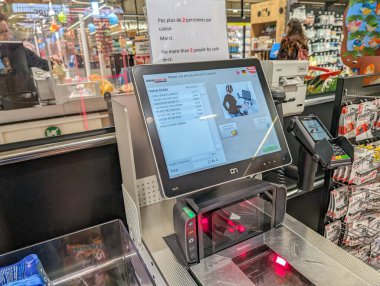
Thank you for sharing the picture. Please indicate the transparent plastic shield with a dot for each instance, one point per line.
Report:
(228, 225)
(101, 255)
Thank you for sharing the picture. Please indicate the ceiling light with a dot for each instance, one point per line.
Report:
(86, 3)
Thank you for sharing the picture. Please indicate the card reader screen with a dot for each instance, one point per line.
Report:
(315, 129)
(210, 118)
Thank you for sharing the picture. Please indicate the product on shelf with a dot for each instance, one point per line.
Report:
(324, 31)
(103, 35)
(28, 271)
(235, 33)
(89, 252)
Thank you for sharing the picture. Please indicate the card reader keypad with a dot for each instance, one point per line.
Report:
(339, 154)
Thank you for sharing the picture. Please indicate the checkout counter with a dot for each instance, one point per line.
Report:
(243, 236)
(195, 209)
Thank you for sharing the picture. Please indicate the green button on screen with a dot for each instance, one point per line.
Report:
(270, 148)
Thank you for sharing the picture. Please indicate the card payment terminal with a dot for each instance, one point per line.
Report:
(318, 147)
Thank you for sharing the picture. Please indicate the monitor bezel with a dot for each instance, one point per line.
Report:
(205, 179)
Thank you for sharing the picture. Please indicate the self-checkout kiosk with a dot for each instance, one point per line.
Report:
(190, 145)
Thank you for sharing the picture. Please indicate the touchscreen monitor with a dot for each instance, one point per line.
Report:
(209, 123)
(315, 129)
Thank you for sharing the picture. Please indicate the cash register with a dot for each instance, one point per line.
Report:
(191, 145)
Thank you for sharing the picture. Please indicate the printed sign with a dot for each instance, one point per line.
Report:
(181, 32)
(42, 9)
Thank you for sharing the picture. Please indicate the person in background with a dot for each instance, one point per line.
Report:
(294, 45)
(32, 59)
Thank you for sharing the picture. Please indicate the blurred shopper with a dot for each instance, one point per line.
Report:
(294, 45)
(32, 59)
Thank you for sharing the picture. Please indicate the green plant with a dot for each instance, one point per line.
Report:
(367, 51)
(364, 1)
(354, 18)
(372, 20)
(358, 34)
(374, 34)
(354, 54)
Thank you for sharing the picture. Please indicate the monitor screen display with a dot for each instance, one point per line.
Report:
(210, 118)
(209, 123)
(315, 129)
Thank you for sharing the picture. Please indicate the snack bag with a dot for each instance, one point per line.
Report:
(24, 272)
(356, 205)
(333, 230)
(364, 166)
(88, 253)
(347, 121)
(366, 118)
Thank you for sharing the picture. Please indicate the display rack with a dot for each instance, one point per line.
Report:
(324, 29)
(350, 209)
(236, 33)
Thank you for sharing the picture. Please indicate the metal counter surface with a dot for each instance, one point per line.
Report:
(322, 262)
(319, 99)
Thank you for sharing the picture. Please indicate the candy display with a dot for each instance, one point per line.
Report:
(103, 35)
(88, 252)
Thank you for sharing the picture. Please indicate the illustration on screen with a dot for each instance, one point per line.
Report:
(238, 99)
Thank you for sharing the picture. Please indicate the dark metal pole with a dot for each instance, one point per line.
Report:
(242, 9)
(244, 32)
(244, 28)
(137, 18)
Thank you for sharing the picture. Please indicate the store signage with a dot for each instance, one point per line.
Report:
(180, 31)
(41, 9)
(142, 48)
(52, 131)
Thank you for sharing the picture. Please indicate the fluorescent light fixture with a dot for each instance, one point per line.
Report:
(237, 10)
(51, 11)
(84, 18)
(95, 8)
(86, 3)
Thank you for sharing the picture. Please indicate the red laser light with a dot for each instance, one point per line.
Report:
(231, 223)
(231, 230)
(241, 228)
(280, 271)
(205, 224)
(280, 261)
